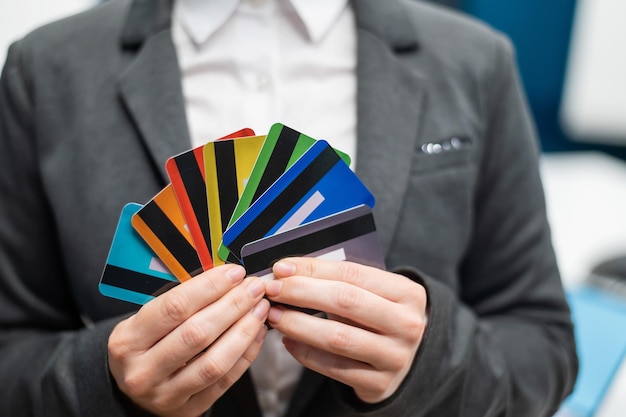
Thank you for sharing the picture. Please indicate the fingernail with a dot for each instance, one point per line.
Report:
(273, 287)
(261, 309)
(274, 315)
(236, 273)
(256, 287)
(284, 268)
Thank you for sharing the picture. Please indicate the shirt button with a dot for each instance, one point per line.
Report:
(263, 81)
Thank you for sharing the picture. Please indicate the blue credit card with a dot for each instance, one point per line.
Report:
(133, 272)
(283, 146)
(317, 185)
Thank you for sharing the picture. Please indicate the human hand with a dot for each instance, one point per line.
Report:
(375, 326)
(158, 359)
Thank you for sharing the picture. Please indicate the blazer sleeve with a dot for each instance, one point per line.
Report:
(50, 363)
(503, 344)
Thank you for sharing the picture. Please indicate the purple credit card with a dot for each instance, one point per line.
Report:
(349, 235)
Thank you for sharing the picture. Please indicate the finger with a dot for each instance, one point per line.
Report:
(237, 347)
(203, 400)
(202, 329)
(345, 370)
(338, 338)
(182, 400)
(354, 303)
(391, 286)
(166, 312)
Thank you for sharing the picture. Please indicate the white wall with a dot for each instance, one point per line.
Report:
(18, 17)
(594, 101)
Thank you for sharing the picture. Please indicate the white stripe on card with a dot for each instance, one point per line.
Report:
(303, 212)
(336, 255)
(267, 277)
(157, 265)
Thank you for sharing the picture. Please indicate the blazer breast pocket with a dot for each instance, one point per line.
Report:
(444, 154)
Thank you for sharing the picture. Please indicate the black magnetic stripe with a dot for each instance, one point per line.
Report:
(310, 243)
(287, 199)
(231, 258)
(277, 164)
(169, 235)
(196, 191)
(226, 168)
(136, 281)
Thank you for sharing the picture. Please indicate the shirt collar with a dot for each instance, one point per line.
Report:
(318, 16)
(202, 18)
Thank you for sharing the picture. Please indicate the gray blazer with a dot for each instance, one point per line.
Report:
(90, 109)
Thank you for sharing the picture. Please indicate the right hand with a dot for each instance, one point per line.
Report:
(158, 359)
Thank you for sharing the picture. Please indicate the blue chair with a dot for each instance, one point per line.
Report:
(540, 31)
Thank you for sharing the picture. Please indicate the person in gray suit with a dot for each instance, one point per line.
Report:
(469, 319)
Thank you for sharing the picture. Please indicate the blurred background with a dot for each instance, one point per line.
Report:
(573, 66)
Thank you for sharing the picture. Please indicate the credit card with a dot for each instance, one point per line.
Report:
(282, 147)
(186, 172)
(227, 167)
(162, 226)
(349, 235)
(317, 185)
(242, 133)
(133, 272)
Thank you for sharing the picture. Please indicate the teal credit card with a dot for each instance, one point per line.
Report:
(133, 272)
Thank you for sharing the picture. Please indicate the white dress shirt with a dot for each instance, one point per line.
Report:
(251, 63)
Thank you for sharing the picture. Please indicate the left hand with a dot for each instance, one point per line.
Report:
(375, 326)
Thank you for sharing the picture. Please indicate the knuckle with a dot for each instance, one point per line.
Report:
(211, 371)
(176, 307)
(349, 272)
(249, 356)
(415, 294)
(166, 403)
(119, 343)
(249, 332)
(379, 386)
(397, 361)
(160, 404)
(136, 385)
(194, 335)
(308, 268)
(347, 297)
(336, 368)
(340, 337)
(414, 327)
(239, 306)
(420, 293)
(117, 349)
(224, 383)
(212, 284)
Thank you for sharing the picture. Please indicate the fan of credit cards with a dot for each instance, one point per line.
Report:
(243, 199)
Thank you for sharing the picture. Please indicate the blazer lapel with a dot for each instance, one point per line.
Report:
(389, 103)
(151, 92)
(389, 106)
(151, 86)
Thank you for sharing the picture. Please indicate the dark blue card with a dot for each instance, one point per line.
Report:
(317, 185)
